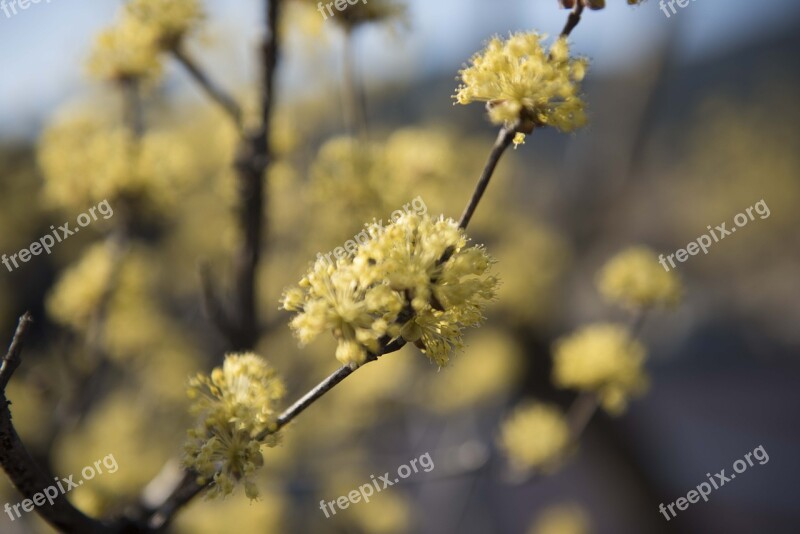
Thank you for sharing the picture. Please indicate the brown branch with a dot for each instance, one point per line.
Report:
(253, 158)
(573, 19)
(19, 465)
(133, 109)
(503, 141)
(212, 90)
(354, 97)
(186, 490)
(12, 358)
(215, 310)
(325, 386)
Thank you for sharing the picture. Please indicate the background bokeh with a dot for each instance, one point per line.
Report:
(692, 120)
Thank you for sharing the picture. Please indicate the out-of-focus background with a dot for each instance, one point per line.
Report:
(693, 119)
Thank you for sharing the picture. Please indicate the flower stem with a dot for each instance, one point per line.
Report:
(503, 141)
(573, 19)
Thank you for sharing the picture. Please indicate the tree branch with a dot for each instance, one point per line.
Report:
(212, 90)
(12, 358)
(19, 465)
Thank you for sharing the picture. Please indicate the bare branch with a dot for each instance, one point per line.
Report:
(214, 308)
(12, 358)
(573, 19)
(214, 91)
(503, 141)
(19, 465)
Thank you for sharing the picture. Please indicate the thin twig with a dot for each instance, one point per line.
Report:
(214, 91)
(573, 19)
(325, 386)
(215, 310)
(12, 358)
(503, 141)
(133, 109)
(188, 488)
(581, 412)
(355, 101)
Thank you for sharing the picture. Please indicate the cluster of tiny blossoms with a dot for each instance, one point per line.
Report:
(535, 436)
(604, 359)
(131, 49)
(635, 280)
(524, 85)
(234, 406)
(416, 279)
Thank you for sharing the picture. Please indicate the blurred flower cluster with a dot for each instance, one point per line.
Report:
(131, 50)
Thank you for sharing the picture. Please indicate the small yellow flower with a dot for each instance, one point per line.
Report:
(233, 405)
(604, 359)
(535, 436)
(634, 279)
(526, 86)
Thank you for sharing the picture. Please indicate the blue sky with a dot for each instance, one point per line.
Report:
(44, 47)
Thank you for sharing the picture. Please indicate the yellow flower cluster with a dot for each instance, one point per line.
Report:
(170, 20)
(125, 52)
(234, 405)
(604, 359)
(535, 436)
(526, 86)
(561, 519)
(131, 49)
(635, 280)
(80, 291)
(396, 285)
(86, 159)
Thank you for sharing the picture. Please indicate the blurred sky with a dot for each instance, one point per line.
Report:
(43, 44)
